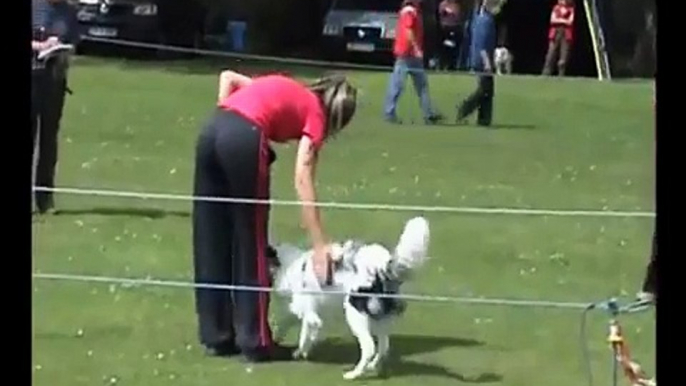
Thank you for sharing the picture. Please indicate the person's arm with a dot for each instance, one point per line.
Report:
(45, 44)
(305, 169)
(230, 81)
(487, 61)
(409, 21)
(485, 35)
(37, 46)
(569, 21)
(554, 20)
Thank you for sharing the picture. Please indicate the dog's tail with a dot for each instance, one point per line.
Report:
(412, 249)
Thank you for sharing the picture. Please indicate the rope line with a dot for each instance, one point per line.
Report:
(409, 297)
(284, 60)
(348, 205)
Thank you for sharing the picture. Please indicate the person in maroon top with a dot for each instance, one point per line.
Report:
(232, 161)
(560, 36)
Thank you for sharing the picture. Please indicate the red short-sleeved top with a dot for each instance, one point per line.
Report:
(408, 18)
(281, 107)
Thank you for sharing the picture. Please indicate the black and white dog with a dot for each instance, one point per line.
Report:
(362, 273)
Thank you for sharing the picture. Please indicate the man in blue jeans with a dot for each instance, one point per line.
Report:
(409, 54)
(481, 57)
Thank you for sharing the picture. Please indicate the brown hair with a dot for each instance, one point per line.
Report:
(339, 99)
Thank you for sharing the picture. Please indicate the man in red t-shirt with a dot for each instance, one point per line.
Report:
(409, 54)
(560, 36)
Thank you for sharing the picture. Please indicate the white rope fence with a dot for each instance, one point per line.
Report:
(134, 282)
(348, 205)
(284, 60)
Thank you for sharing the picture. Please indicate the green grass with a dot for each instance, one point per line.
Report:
(564, 144)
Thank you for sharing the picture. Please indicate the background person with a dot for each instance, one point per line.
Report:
(481, 55)
(53, 22)
(408, 49)
(560, 37)
(450, 22)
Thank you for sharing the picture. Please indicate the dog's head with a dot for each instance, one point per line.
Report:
(343, 255)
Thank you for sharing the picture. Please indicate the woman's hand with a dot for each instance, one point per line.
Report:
(322, 263)
(45, 44)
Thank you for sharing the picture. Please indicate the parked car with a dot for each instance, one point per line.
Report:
(177, 22)
(364, 28)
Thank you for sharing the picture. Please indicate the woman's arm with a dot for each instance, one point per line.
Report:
(570, 18)
(568, 21)
(305, 168)
(230, 81)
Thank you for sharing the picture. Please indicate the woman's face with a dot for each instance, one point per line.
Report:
(562, 2)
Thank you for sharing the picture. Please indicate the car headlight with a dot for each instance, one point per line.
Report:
(390, 33)
(145, 10)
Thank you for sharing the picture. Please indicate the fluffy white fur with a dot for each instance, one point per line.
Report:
(503, 61)
(358, 266)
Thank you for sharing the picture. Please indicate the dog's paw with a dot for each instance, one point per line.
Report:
(300, 354)
(352, 374)
(374, 365)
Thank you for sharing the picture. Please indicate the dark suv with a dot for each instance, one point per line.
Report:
(177, 22)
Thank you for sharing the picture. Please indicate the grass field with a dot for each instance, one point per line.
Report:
(560, 144)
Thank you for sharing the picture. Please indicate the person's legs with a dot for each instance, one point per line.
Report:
(212, 251)
(420, 81)
(444, 50)
(37, 101)
(51, 114)
(487, 85)
(243, 153)
(649, 287)
(395, 89)
(550, 56)
(564, 57)
(454, 52)
(473, 101)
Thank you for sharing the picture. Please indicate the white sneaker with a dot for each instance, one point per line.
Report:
(645, 297)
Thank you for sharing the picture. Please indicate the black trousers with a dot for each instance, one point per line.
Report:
(481, 99)
(650, 278)
(448, 56)
(48, 91)
(230, 240)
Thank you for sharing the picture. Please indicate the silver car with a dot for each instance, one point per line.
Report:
(362, 27)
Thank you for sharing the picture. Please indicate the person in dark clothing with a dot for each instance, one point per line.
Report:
(649, 287)
(230, 244)
(53, 22)
(483, 42)
(450, 22)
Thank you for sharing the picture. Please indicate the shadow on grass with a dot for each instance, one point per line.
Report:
(128, 212)
(495, 126)
(339, 352)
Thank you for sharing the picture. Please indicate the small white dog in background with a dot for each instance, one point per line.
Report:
(503, 61)
(364, 269)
